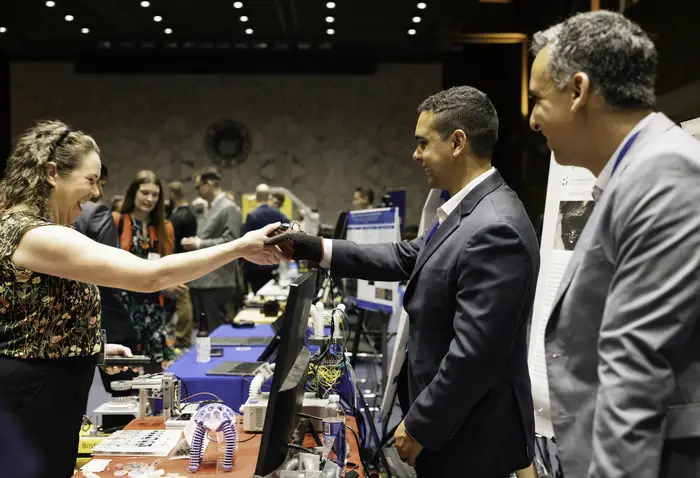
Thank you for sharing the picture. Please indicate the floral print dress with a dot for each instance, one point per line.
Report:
(146, 309)
(43, 316)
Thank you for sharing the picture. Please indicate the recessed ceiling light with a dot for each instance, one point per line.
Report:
(168, 31)
(69, 18)
(330, 5)
(249, 31)
(145, 4)
(3, 29)
(244, 18)
(411, 31)
(85, 31)
(330, 31)
(330, 19)
(157, 18)
(416, 19)
(237, 4)
(422, 6)
(50, 3)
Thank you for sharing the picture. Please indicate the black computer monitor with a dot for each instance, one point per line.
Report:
(341, 226)
(287, 389)
(271, 348)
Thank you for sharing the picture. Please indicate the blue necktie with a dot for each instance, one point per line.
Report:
(432, 231)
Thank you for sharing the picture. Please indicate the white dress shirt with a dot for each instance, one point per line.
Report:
(452, 203)
(442, 213)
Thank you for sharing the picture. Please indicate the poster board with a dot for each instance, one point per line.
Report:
(398, 199)
(372, 226)
(436, 198)
(568, 205)
(249, 203)
(692, 127)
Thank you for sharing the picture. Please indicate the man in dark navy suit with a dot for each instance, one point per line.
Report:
(469, 299)
(268, 212)
(97, 223)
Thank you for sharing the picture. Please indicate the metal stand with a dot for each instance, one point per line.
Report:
(381, 350)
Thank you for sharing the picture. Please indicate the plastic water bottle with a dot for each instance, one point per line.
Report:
(283, 273)
(334, 443)
(203, 341)
(292, 271)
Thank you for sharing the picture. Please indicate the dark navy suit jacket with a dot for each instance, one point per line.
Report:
(97, 223)
(261, 217)
(469, 301)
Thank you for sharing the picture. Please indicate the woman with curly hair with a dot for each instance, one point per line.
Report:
(49, 303)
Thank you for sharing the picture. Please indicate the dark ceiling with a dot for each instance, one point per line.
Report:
(373, 28)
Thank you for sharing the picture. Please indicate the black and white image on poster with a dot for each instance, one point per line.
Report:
(571, 219)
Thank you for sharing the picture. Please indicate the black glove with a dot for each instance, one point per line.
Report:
(299, 246)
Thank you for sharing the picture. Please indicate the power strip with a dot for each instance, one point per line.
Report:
(254, 413)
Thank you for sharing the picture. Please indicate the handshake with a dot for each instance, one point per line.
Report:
(296, 245)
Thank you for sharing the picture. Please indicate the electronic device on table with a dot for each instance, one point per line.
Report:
(254, 413)
(249, 341)
(235, 369)
(287, 390)
(239, 341)
(164, 386)
(119, 361)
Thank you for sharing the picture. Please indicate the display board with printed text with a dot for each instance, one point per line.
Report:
(372, 226)
(568, 205)
(398, 200)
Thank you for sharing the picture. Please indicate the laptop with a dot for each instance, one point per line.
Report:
(239, 341)
(235, 369)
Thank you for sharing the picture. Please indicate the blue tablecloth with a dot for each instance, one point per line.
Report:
(232, 390)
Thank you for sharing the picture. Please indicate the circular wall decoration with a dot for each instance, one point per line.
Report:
(228, 143)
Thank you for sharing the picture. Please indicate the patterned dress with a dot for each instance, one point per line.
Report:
(43, 316)
(146, 309)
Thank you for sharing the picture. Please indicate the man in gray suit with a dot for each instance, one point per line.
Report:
(212, 294)
(621, 342)
(469, 299)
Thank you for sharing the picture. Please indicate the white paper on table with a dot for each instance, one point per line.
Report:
(96, 465)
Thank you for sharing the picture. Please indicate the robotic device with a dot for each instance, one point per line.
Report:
(214, 417)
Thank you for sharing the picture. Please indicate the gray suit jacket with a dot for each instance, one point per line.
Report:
(223, 224)
(622, 342)
(469, 300)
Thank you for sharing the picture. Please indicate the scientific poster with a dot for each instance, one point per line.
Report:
(568, 205)
(373, 226)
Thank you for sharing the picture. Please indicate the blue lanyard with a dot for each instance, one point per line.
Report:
(625, 149)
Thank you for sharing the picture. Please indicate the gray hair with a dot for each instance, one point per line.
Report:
(468, 109)
(617, 55)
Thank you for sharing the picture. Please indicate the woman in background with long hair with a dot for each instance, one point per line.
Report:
(144, 231)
